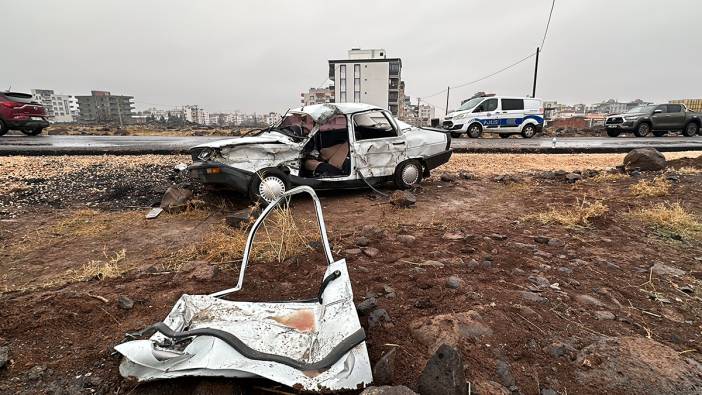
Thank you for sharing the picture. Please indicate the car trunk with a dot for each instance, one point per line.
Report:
(25, 105)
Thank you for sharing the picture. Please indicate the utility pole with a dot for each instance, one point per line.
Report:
(448, 91)
(419, 103)
(119, 114)
(536, 72)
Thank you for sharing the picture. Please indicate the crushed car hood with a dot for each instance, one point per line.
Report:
(264, 138)
(253, 153)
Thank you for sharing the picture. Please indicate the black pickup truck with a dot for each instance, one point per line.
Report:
(658, 119)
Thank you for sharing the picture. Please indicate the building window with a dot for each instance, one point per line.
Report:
(357, 83)
(342, 83)
(394, 68)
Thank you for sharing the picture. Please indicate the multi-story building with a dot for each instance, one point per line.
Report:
(101, 106)
(691, 104)
(195, 114)
(271, 118)
(426, 113)
(61, 108)
(317, 96)
(367, 76)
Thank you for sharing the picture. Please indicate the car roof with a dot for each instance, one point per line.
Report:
(338, 108)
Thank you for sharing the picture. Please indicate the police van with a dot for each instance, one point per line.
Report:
(496, 114)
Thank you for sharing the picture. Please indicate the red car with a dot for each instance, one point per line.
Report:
(19, 112)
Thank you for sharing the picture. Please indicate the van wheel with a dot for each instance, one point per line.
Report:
(528, 131)
(475, 130)
(408, 174)
(3, 128)
(267, 186)
(691, 129)
(659, 133)
(504, 135)
(642, 130)
(456, 134)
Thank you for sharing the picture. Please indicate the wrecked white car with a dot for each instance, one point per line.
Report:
(312, 345)
(325, 146)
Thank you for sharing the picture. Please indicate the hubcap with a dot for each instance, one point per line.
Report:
(643, 129)
(529, 131)
(270, 188)
(410, 174)
(691, 129)
(474, 130)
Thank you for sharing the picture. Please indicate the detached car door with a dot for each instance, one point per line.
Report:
(378, 144)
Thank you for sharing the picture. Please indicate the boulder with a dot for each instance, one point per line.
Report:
(443, 374)
(644, 159)
(384, 368)
(448, 329)
(403, 199)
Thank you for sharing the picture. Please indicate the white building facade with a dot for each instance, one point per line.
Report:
(61, 108)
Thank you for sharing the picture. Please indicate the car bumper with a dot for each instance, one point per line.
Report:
(625, 126)
(453, 127)
(27, 123)
(434, 161)
(217, 173)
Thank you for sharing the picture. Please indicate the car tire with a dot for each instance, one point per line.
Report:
(267, 185)
(456, 134)
(475, 130)
(691, 129)
(32, 132)
(642, 130)
(528, 131)
(504, 135)
(659, 133)
(3, 128)
(613, 133)
(408, 174)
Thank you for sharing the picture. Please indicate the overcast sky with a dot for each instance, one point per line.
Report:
(259, 55)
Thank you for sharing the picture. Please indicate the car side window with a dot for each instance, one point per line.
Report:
(373, 125)
(674, 108)
(487, 105)
(512, 104)
(662, 108)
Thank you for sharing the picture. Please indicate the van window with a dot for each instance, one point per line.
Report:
(512, 104)
(532, 104)
(487, 105)
(373, 125)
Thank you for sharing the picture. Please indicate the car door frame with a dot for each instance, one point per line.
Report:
(488, 119)
(676, 120)
(505, 116)
(659, 121)
(393, 148)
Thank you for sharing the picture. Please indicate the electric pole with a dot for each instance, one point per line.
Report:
(536, 72)
(448, 91)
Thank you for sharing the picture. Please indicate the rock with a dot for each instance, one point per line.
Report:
(353, 251)
(388, 390)
(406, 239)
(4, 356)
(443, 374)
(588, 300)
(644, 159)
(573, 177)
(465, 175)
(204, 272)
(448, 177)
(389, 291)
(433, 264)
(555, 243)
(367, 306)
(454, 282)
(448, 329)
(525, 311)
(505, 374)
(371, 252)
(486, 264)
(637, 365)
(560, 349)
(531, 297)
(175, 198)
(565, 270)
(36, 373)
(485, 387)
(542, 239)
(362, 241)
(665, 270)
(124, 302)
(372, 231)
(604, 315)
(453, 236)
(403, 199)
(472, 264)
(243, 219)
(523, 245)
(548, 391)
(384, 369)
(543, 254)
(539, 281)
(423, 303)
(377, 318)
(498, 237)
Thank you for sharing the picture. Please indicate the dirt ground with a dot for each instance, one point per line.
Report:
(545, 285)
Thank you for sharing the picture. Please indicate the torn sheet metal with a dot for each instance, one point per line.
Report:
(312, 345)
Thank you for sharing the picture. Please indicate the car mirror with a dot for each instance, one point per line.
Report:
(657, 111)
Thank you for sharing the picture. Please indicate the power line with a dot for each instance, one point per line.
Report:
(547, 24)
(495, 73)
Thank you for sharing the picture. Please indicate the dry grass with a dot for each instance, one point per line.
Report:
(657, 187)
(575, 216)
(689, 170)
(671, 220)
(280, 237)
(111, 267)
(606, 176)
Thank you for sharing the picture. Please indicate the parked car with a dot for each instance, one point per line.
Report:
(325, 146)
(658, 119)
(497, 114)
(19, 112)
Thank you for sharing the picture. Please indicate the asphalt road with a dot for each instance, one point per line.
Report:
(135, 145)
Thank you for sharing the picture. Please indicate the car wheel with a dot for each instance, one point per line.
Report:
(691, 129)
(613, 133)
(408, 174)
(642, 130)
(528, 131)
(456, 134)
(32, 132)
(659, 133)
(267, 186)
(475, 130)
(504, 135)
(3, 128)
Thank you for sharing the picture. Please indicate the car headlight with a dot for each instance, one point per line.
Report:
(460, 116)
(631, 118)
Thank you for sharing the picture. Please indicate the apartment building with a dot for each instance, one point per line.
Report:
(61, 108)
(368, 76)
(691, 104)
(101, 106)
(317, 96)
(271, 118)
